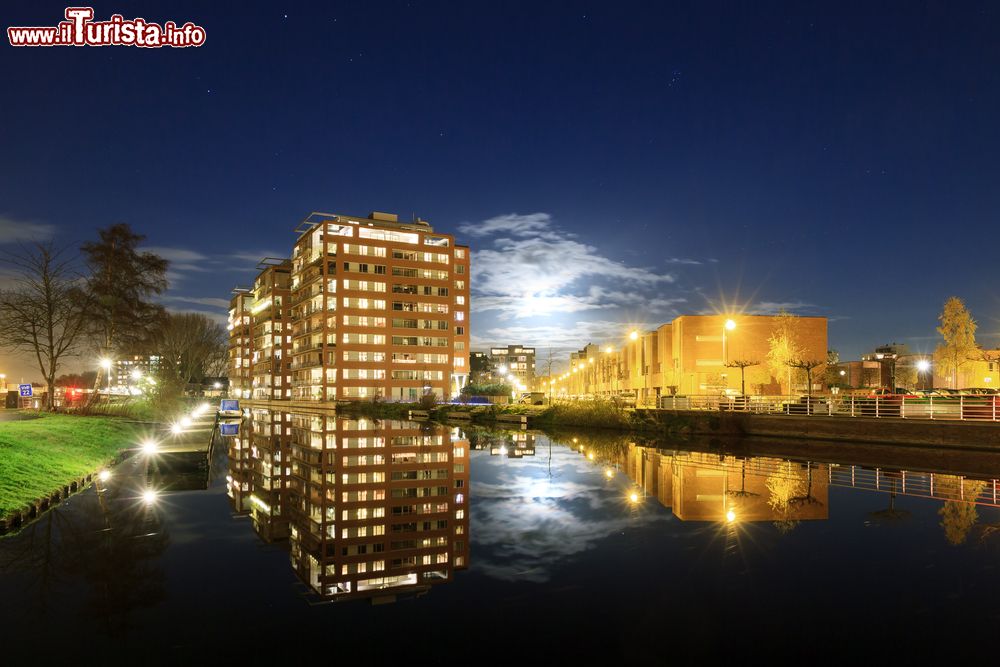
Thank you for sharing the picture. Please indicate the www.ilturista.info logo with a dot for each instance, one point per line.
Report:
(79, 29)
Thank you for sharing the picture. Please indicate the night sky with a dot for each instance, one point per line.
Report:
(611, 164)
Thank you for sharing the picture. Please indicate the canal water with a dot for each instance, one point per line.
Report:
(311, 536)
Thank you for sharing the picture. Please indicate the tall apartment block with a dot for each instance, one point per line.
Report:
(271, 317)
(240, 344)
(380, 309)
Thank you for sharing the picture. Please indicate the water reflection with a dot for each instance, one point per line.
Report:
(707, 486)
(372, 509)
(109, 539)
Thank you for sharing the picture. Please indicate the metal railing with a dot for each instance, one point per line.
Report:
(958, 408)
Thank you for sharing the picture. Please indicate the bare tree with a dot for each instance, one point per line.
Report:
(188, 344)
(743, 365)
(807, 365)
(43, 313)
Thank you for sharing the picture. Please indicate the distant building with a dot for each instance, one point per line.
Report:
(132, 370)
(516, 360)
(982, 372)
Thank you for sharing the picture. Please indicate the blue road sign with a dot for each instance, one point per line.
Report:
(25, 390)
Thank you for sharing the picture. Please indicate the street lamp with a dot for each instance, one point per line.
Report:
(106, 365)
(922, 367)
(728, 326)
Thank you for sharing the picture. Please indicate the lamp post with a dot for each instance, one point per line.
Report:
(728, 325)
(106, 365)
(922, 367)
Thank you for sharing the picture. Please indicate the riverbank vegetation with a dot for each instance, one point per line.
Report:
(583, 414)
(42, 453)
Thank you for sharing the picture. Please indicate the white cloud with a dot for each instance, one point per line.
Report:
(511, 223)
(219, 318)
(536, 513)
(775, 307)
(683, 260)
(562, 337)
(176, 255)
(15, 231)
(255, 256)
(535, 268)
(201, 301)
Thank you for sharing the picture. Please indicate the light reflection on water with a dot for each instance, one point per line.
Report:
(451, 524)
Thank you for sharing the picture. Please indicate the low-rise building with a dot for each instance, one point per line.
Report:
(700, 354)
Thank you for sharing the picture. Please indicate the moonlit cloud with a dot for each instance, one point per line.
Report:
(201, 301)
(529, 522)
(561, 337)
(537, 269)
(253, 257)
(775, 307)
(19, 231)
(218, 318)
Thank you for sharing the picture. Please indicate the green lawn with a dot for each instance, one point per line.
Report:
(39, 456)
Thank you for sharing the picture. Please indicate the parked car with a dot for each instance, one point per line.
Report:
(532, 398)
(898, 392)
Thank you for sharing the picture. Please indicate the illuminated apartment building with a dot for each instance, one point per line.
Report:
(380, 309)
(272, 331)
(515, 360)
(270, 442)
(239, 478)
(377, 509)
(240, 344)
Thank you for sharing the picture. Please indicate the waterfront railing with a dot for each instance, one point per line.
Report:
(957, 408)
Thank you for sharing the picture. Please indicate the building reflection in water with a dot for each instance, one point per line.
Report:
(513, 444)
(713, 487)
(372, 509)
(699, 486)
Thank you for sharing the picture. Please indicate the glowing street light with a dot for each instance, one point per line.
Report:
(150, 447)
(105, 363)
(633, 497)
(501, 369)
(149, 496)
(634, 335)
(136, 374)
(728, 326)
(104, 475)
(609, 473)
(730, 516)
(176, 429)
(503, 451)
(923, 365)
(609, 350)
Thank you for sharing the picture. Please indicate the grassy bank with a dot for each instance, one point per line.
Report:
(37, 456)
